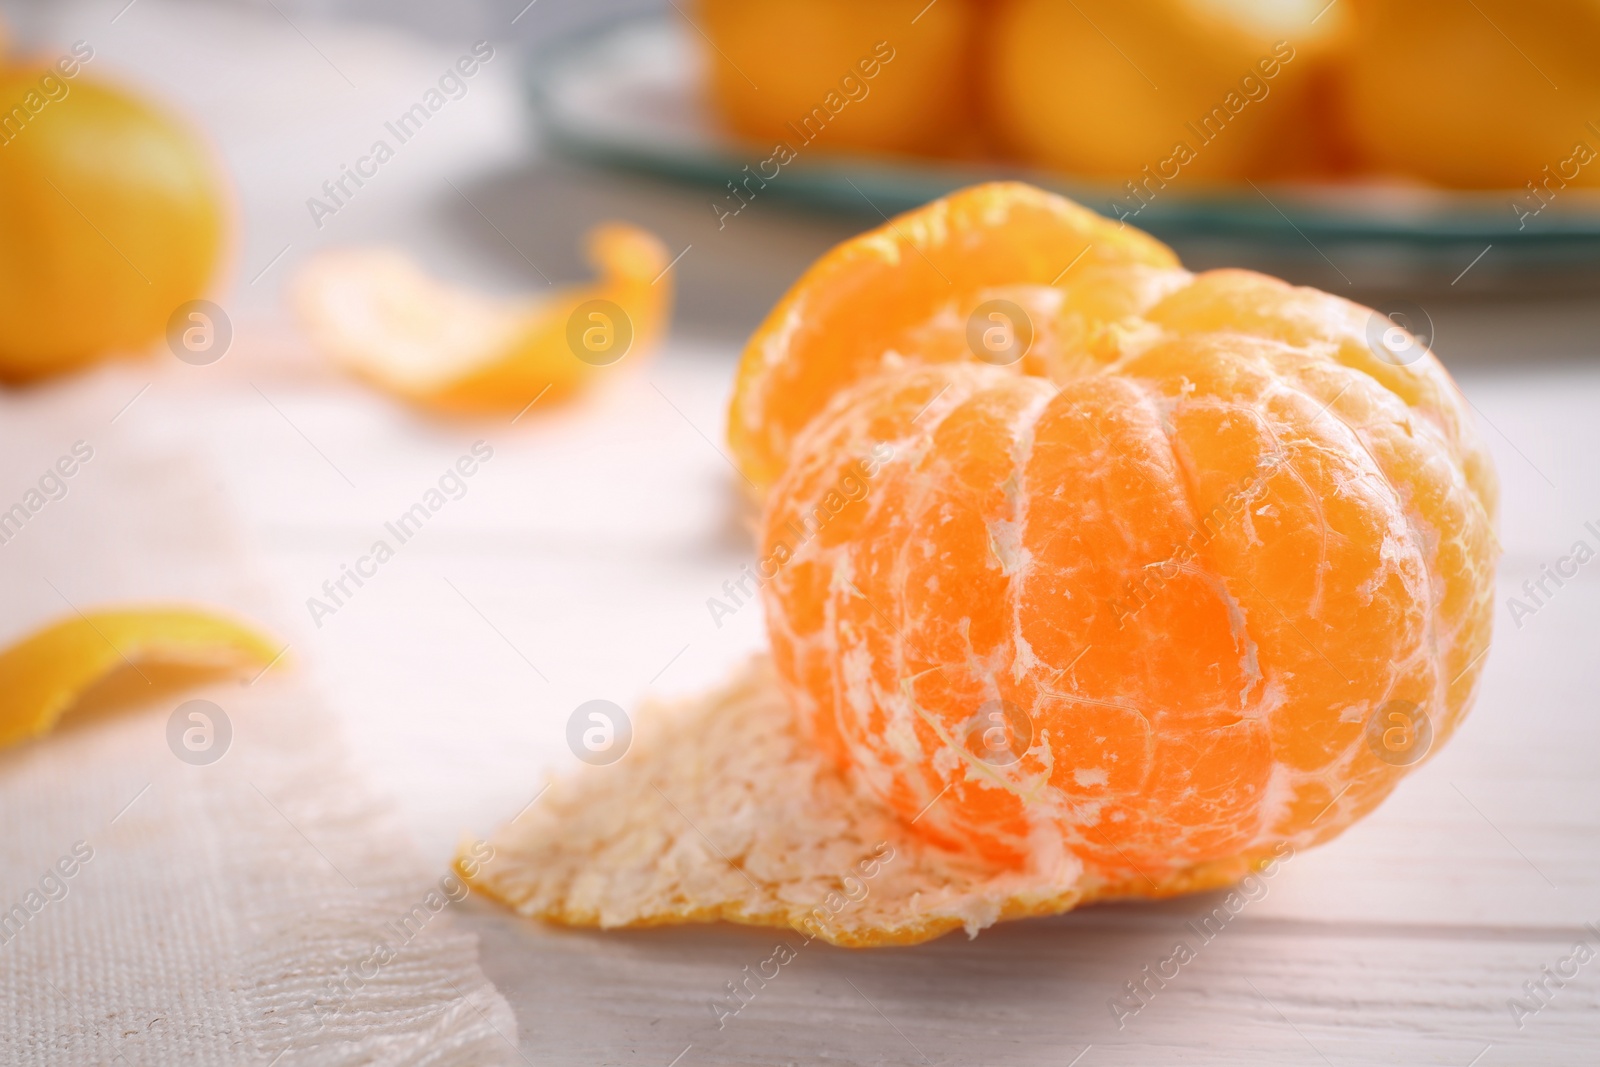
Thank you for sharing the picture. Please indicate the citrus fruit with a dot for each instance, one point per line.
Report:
(868, 304)
(375, 311)
(891, 76)
(1190, 89)
(1487, 94)
(1200, 573)
(1138, 589)
(110, 218)
(41, 675)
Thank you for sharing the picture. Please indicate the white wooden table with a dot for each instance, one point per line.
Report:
(579, 561)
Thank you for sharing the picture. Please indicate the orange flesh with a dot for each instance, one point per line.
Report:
(1169, 566)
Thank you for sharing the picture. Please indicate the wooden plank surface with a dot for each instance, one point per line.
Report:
(587, 551)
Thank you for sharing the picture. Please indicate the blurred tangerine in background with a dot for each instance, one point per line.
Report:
(1479, 95)
(1106, 88)
(111, 217)
(1468, 95)
(892, 76)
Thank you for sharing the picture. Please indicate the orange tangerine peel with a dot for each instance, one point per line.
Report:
(42, 675)
(375, 311)
(789, 840)
(1184, 584)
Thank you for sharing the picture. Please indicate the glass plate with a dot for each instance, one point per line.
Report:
(629, 95)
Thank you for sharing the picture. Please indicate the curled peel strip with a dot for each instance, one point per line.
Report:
(44, 673)
(376, 312)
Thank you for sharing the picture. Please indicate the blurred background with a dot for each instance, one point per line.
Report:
(368, 316)
(1406, 141)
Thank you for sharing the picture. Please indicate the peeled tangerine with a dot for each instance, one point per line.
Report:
(375, 311)
(1085, 577)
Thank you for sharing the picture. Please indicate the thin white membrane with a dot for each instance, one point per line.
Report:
(264, 908)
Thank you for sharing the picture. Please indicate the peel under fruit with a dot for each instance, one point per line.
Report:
(375, 311)
(724, 810)
(44, 673)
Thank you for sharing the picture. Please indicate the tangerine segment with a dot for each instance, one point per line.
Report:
(41, 675)
(908, 293)
(378, 313)
(865, 305)
(1145, 615)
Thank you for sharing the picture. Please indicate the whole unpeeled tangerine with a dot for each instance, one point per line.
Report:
(837, 75)
(1190, 89)
(1204, 572)
(110, 218)
(1437, 90)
